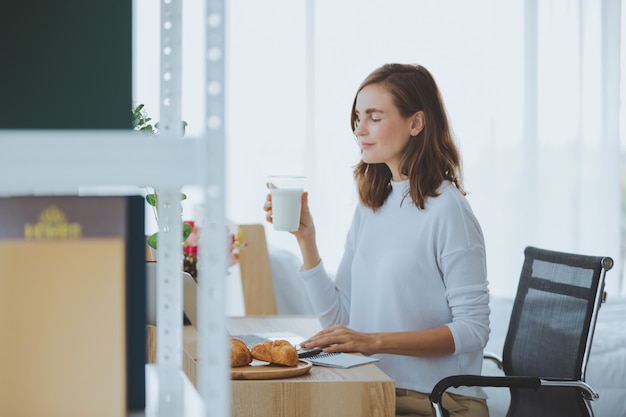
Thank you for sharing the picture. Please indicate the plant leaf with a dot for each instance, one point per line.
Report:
(152, 240)
(152, 199)
(186, 231)
(183, 196)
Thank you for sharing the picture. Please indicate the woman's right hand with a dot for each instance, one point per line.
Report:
(306, 220)
(305, 235)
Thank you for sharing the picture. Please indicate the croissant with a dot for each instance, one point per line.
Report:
(239, 353)
(278, 351)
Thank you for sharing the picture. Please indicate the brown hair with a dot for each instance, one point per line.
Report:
(430, 157)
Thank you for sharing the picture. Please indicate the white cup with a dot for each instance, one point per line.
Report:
(286, 191)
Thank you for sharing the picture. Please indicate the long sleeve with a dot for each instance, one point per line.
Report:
(460, 249)
(331, 297)
(468, 298)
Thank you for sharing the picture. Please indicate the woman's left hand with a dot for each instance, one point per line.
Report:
(339, 338)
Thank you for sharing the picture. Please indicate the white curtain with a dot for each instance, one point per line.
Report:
(554, 182)
(531, 87)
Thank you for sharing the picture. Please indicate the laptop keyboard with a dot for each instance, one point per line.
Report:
(251, 339)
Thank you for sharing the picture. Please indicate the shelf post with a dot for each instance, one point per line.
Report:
(213, 340)
(169, 251)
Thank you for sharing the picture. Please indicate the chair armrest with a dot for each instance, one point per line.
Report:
(531, 382)
(585, 389)
(482, 381)
(495, 358)
(477, 381)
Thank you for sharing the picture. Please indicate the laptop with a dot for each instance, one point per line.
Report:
(190, 289)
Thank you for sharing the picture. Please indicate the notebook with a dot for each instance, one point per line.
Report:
(340, 360)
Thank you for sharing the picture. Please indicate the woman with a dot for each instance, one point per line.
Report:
(411, 287)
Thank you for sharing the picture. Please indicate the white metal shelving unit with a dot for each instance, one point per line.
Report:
(59, 162)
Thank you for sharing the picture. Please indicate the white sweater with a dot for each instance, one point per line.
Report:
(407, 269)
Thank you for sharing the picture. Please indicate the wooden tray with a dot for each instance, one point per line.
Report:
(263, 370)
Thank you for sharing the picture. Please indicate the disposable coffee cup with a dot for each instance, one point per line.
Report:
(286, 191)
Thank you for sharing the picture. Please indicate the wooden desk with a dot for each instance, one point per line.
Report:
(360, 391)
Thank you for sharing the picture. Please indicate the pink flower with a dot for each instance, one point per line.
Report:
(190, 245)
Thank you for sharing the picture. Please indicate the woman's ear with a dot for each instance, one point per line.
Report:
(417, 123)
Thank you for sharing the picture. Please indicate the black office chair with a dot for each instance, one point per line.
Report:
(549, 337)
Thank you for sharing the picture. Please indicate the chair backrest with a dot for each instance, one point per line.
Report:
(551, 328)
(256, 272)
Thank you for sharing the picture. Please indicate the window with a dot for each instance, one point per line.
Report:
(536, 124)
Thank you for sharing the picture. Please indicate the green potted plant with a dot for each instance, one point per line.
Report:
(141, 122)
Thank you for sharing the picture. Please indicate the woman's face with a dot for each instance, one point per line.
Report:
(381, 130)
